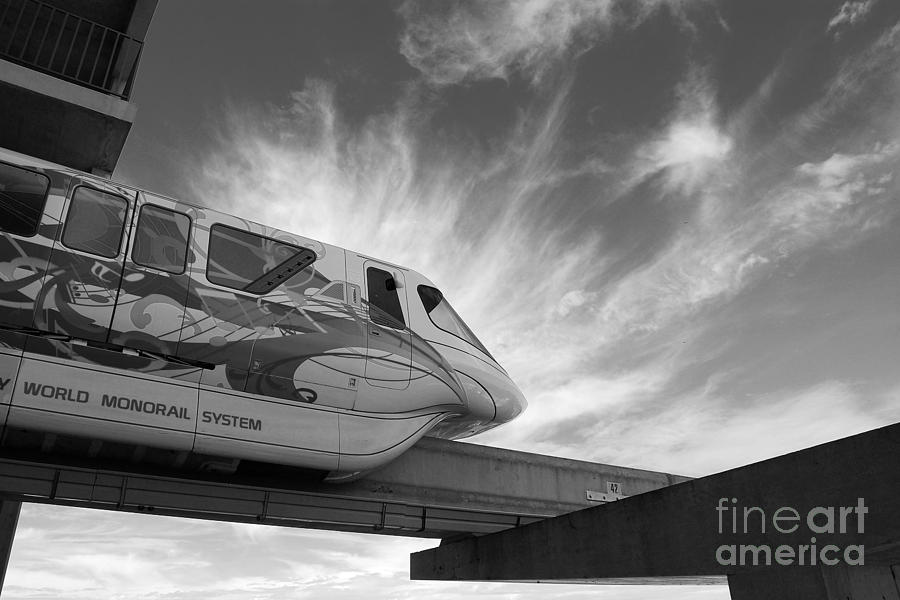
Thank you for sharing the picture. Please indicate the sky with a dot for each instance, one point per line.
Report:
(674, 222)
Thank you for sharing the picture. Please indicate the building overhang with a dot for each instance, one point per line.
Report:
(48, 85)
(62, 122)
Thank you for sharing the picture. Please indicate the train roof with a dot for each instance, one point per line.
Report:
(18, 158)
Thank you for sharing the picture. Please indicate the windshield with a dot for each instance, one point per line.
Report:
(444, 317)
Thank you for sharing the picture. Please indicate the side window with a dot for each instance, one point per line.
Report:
(384, 302)
(161, 239)
(22, 197)
(95, 222)
(245, 261)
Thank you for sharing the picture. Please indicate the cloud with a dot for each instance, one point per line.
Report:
(467, 41)
(457, 42)
(740, 215)
(733, 235)
(94, 555)
(849, 14)
(839, 170)
(689, 149)
(691, 146)
(726, 434)
(860, 78)
(380, 189)
(222, 562)
(300, 165)
(844, 193)
(145, 557)
(571, 301)
(730, 242)
(703, 431)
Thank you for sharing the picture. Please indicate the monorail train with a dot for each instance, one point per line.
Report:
(137, 321)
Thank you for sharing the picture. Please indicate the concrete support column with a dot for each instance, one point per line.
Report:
(9, 518)
(811, 583)
(861, 583)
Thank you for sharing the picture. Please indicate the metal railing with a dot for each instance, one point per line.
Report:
(57, 42)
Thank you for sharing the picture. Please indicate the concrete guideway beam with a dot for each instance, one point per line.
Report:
(437, 489)
(798, 501)
(459, 474)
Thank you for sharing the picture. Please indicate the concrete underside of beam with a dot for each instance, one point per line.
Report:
(677, 532)
(60, 130)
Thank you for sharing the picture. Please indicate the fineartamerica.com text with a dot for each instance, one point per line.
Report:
(752, 520)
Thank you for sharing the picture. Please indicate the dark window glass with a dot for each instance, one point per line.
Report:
(444, 317)
(161, 239)
(242, 260)
(22, 197)
(384, 302)
(95, 222)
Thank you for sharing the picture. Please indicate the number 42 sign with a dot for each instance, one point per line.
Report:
(613, 492)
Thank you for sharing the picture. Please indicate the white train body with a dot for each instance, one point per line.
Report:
(135, 319)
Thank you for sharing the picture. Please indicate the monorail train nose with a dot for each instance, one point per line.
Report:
(492, 397)
(510, 403)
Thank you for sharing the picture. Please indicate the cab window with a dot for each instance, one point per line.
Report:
(444, 317)
(161, 239)
(384, 301)
(95, 222)
(22, 197)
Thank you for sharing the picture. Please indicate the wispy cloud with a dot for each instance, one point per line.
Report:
(460, 42)
(850, 13)
(841, 192)
(869, 74)
(731, 233)
(376, 190)
(728, 432)
(221, 563)
(467, 41)
(739, 224)
(692, 145)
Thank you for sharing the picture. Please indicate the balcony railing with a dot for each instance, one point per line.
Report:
(54, 41)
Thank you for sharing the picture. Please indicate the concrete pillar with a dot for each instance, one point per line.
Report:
(860, 583)
(9, 518)
(810, 583)
(778, 584)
